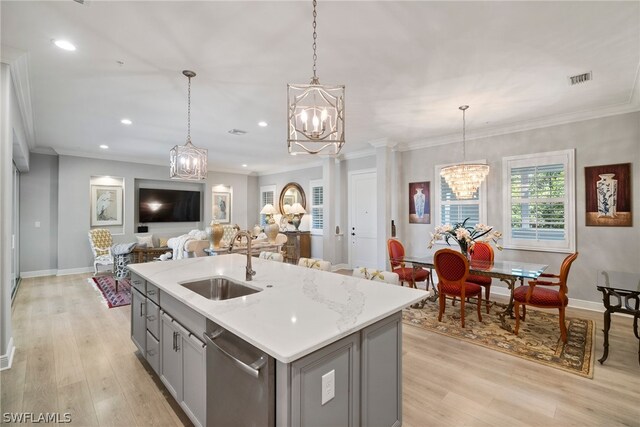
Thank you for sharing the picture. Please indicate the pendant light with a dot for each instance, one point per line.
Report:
(315, 112)
(465, 178)
(187, 161)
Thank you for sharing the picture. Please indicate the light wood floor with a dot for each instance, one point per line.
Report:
(75, 355)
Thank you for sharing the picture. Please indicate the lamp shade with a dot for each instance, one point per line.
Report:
(268, 209)
(287, 209)
(297, 209)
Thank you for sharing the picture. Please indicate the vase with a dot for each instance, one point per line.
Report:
(607, 189)
(218, 232)
(271, 230)
(418, 202)
(464, 249)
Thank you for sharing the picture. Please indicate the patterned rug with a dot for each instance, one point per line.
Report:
(538, 339)
(107, 287)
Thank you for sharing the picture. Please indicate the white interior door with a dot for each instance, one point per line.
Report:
(363, 219)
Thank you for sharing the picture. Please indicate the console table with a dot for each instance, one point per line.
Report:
(620, 294)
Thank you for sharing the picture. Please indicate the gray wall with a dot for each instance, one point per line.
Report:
(602, 141)
(39, 202)
(56, 192)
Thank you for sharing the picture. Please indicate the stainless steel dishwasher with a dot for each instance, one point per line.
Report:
(240, 381)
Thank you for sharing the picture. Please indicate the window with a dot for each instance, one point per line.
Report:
(317, 206)
(267, 195)
(450, 210)
(539, 201)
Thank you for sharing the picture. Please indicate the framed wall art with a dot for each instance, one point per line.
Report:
(419, 203)
(106, 205)
(608, 195)
(221, 207)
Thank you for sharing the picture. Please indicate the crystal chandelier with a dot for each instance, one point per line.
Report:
(465, 178)
(188, 161)
(316, 113)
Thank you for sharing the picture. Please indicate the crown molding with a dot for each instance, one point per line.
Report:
(367, 152)
(9, 54)
(291, 168)
(543, 122)
(382, 142)
(19, 68)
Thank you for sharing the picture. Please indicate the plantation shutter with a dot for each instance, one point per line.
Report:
(453, 210)
(267, 195)
(317, 206)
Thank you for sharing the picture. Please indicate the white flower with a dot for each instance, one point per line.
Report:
(462, 233)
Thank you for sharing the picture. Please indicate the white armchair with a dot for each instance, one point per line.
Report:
(101, 241)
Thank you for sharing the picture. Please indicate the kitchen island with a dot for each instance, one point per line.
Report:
(304, 347)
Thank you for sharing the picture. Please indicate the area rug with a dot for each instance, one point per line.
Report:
(538, 339)
(107, 287)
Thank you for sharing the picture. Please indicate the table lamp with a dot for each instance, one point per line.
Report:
(297, 211)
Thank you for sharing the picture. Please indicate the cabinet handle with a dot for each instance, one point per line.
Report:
(174, 341)
(141, 312)
(252, 369)
(151, 352)
(136, 282)
(177, 341)
(151, 292)
(151, 318)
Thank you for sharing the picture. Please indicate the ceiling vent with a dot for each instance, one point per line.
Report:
(237, 132)
(580, 78)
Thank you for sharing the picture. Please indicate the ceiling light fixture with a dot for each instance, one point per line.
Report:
(104, 146)
(316, 113)
(263, 124)
(65, 45)
(126, 121)
(464, 179)
(188, 161)
(244, 166)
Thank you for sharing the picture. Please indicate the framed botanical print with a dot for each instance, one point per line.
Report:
(419, 203)
(106, 205)
(608, 195)
(221, 207)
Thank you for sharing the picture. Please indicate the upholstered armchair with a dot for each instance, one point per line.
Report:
(100, 240)
(538, 294)
(482, 252)
(316, 264)
(271, 256)
(376, 275)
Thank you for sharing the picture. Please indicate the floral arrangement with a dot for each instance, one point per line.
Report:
(466, 237)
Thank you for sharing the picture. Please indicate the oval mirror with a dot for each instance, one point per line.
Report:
(290, 194)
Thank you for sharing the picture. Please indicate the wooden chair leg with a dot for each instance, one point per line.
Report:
(479, 307)
(524, 313)
(453, 301)
(462, 310)
(487, 290)
(563, 326)
(441, 304)
(516, 308)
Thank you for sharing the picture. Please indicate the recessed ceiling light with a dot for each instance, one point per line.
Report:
(126, 121)
(63, 44)
(104, 147)
(244, 166)
(262, 124)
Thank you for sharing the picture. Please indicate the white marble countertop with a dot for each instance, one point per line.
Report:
(302, 311)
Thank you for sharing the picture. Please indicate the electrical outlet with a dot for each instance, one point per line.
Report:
(37, 224)
(328, 386)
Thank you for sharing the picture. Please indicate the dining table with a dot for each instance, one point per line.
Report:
(508, 272)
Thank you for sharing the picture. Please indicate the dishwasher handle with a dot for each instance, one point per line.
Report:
(252, 369)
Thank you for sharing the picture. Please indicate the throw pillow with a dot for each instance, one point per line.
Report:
(148, 240)
(163, 242)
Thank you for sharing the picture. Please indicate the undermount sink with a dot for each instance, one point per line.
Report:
(219, 288)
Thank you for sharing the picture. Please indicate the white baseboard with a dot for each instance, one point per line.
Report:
(38, 273)
(79, 270)
(7, 359)
(573, 303)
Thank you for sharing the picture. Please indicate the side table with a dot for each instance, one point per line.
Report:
(620, 294)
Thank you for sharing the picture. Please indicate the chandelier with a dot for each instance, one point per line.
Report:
(316, 113)
(465, 178)
(188, 161)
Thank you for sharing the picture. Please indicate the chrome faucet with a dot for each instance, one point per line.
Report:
(238, 236)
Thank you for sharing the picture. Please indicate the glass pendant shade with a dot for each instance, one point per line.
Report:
(187, 161)
(316, 118)
(465, 178)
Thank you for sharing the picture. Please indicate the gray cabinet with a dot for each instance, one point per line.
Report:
(183, 368)
(138, 320)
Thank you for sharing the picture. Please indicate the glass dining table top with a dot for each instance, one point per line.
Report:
(619, 280)
(518, 269)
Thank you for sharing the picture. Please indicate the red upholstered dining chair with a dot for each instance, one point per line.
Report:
(406, 274)
(453, 269)
(538, 294)
(482, 252)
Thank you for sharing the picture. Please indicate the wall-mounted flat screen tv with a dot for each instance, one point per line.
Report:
(156, 205)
